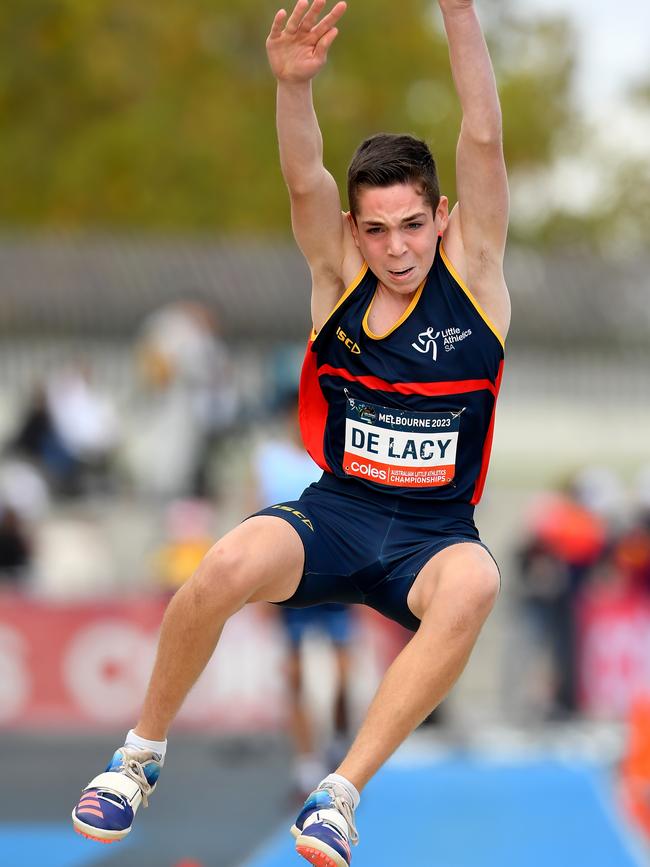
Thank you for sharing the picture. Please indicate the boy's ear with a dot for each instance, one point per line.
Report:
(441, 216)
(353, 227)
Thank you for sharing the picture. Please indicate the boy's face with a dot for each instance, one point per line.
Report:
(396, 232)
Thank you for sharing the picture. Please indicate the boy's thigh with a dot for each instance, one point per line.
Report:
(336, 547)
(463, 569)
(269, 552)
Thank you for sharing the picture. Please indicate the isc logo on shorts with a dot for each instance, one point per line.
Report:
(303, 518)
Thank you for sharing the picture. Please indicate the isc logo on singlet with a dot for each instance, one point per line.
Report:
(348, 342)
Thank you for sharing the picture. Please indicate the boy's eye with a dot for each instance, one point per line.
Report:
(414, 225)
(374, 230)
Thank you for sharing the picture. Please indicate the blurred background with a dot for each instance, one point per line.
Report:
(153, 317)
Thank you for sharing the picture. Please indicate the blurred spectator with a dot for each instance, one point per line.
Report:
(601, 491)
(631, 557)
(614, 619)
(86, 422)
(15, 547)
(333, 621)
(188, 537)
(281, 470)
(642, 490)
(565, 540)
(38, 440)
(192, 401)
(69, 432)
(24, 489)
(631, 552)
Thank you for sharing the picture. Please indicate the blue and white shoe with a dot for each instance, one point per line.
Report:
(108, 804)
(325, 827)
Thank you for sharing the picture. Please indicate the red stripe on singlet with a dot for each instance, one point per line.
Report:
(428, 389)
(487, 448)
(313, 410)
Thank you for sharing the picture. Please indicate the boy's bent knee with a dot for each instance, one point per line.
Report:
(482, 583)
(463, 576)
(255, 561)
(470, 596)
(223, 574)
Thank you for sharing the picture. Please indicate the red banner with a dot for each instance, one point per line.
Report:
(614, 652)
(71, 665)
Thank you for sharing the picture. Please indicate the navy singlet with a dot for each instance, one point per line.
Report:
(411, 411)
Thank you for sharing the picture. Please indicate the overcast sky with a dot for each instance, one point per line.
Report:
(615, 42)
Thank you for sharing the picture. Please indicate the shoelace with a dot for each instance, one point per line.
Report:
(341, 801)
(133, 769)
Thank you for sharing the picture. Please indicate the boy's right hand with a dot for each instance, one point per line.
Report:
(297, 46)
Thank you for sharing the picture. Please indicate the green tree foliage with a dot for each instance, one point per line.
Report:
(116, 114)
(631, 183)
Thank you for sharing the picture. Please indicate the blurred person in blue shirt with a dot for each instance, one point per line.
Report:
(281, 469)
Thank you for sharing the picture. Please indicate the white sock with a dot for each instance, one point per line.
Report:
(347, 785)
(133, 740)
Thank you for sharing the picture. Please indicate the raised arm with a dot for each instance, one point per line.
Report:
(477, 231)
(297, 49)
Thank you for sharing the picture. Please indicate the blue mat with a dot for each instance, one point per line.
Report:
(473, 813)
(24, 845)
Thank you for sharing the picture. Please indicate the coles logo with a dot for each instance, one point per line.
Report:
(366, 470)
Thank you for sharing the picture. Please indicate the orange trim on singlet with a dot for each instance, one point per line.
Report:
(427, 389)
(405, 315)
(353, 285)
(454, 273)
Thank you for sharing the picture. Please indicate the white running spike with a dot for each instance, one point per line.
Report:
(120, 784)
(332, 817)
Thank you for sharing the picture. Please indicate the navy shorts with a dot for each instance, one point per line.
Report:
(366, 546)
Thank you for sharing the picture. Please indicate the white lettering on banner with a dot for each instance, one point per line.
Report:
(106, 668)
(615, 659)
(14, 673)
(244, 678)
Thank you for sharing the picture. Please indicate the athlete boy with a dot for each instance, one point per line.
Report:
(398, 392)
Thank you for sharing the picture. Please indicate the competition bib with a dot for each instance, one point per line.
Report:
(400, 448)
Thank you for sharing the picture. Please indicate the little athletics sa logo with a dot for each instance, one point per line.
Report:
(428, 340)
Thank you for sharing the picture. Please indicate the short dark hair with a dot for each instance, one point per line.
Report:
(386, 159)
